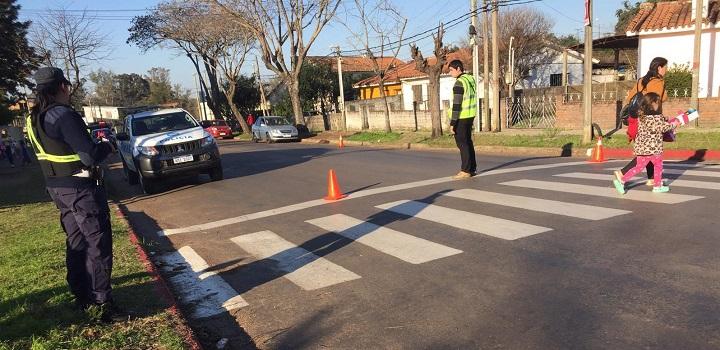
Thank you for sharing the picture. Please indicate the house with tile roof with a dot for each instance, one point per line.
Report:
(412, 84)
(666, 29)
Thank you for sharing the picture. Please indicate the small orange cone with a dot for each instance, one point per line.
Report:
(597, 152)
(341, 144)
(334, 192)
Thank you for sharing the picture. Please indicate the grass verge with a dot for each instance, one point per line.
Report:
(36, 310)
(550, 138)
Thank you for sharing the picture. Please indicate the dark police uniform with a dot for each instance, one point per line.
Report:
(68, 157)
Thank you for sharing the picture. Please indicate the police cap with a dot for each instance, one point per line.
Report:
(48, 75)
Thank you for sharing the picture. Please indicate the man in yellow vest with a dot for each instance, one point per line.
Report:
(461, 117)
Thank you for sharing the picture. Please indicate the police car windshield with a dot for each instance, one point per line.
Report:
(162, 122)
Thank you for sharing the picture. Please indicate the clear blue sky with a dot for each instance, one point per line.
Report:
(421, 15)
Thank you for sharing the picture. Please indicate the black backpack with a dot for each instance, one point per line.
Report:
(631, 109)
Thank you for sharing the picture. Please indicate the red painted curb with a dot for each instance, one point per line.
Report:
(698, 155)
(161, 285)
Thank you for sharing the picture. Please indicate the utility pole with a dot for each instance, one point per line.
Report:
(342, 89)
(496, 70)
(486, 70)
(263, 101)
(475, 58)
(695, 99)
(587, 76)
(197, 95)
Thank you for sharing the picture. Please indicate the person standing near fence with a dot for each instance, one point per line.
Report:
(461, 116)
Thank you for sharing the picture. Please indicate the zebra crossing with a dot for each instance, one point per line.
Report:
(308, 271)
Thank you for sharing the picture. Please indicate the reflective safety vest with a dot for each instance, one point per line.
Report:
(56, 158)
(469, 101)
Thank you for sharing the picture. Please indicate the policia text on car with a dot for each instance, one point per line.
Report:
(70, 160)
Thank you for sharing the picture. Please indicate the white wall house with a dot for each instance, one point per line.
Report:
(550, 74)
(416, 89)
(95, 113)
(666, 29)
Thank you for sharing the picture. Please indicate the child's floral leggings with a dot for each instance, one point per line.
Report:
(642, 161)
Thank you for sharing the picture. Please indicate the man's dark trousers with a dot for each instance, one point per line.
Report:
(463, 140)
(85, 218)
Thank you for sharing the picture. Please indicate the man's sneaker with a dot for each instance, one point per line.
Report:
(661, 189)
(619, 186)
(462, 175)
(618, 175)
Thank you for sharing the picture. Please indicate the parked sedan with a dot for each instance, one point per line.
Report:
(273, 128)
(217, 128)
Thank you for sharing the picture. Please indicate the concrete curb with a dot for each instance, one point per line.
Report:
(580, 152)
(160, 284)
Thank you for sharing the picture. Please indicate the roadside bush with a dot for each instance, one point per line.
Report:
(678, 78)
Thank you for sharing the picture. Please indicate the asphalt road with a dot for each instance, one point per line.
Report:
(534, 253)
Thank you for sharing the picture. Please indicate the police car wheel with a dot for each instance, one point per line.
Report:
(254, 137)
(216, 173)
(147, 185)
(130, 176)
(267, 138)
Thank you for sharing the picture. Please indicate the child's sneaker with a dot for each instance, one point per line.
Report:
(618, 175)
(661, 189)
(619, 186)
(651, 182)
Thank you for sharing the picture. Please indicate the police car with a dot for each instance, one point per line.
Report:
(164, 143)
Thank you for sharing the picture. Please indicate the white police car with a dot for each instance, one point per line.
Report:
(163, 143)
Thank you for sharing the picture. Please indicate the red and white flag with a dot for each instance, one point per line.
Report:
(587, 12)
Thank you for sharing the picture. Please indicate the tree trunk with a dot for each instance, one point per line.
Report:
(230, 95)
(214, 98)
(294, 91)
(434, 97)
(381, 85)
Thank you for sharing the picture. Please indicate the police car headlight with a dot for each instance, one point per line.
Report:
(207, 140)
(148, 150)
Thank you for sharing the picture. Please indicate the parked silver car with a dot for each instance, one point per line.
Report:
(273, 128)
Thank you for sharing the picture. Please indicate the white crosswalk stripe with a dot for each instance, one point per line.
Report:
(607, 191)
(582, 211)
(708, 185)
(691, 165)
(687, 172)
(394, 243)
(488, 225)
(307, 270)
(205, 290)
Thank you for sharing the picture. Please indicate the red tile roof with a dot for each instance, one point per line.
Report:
(408, 70)
(356, 64)
(669, 15)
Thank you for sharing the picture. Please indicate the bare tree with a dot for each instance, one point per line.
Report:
(280, 27)
(380, 28)
(433, 71)
(183, 25)
(71, 41)
(531, 30)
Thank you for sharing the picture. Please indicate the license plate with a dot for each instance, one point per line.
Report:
(183, 159)
(222, 134)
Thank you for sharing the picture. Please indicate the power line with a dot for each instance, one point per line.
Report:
(562, 14)
(430, 32)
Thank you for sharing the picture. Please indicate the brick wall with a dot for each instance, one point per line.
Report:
(569, 115)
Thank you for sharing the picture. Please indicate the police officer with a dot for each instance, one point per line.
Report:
(461, 116)
(70, 160)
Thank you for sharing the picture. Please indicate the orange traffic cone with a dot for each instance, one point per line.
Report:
(341, 144)
(597, 152)
(334, 192)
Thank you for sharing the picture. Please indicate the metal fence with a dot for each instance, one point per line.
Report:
(531, 112)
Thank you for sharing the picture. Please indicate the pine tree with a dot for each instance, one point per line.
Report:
(17, 56)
